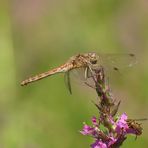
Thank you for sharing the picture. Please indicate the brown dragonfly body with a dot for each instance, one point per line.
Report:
(78, 61)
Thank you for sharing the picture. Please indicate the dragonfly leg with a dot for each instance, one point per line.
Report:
(86, 73)
(91, 86)
(67, 81)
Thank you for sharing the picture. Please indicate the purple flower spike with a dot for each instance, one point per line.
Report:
(108, 130)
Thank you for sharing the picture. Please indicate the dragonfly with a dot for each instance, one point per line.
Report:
(88, 62)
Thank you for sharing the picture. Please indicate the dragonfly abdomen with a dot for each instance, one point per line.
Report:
(35, 78)
(60, 69)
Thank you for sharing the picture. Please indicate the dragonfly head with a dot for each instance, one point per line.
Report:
(93, 58)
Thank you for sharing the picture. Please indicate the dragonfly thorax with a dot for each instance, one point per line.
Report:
(84, 60)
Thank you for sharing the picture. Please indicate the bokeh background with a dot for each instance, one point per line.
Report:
(36, 35)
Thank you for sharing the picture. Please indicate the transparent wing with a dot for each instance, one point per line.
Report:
(80, 76)
(117, 62)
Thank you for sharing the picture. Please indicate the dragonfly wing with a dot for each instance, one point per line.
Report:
(117, 62)
(67, 81)
(83, 76)
(80, 76)
(78, 73)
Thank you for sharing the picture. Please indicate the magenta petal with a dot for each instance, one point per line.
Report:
(98, 144)
(87, 130)
(112, 141)
(94, 121)
(121, 124)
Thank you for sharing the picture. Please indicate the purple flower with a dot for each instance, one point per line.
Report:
(121, 124)
(98, 144)
(87, 130)
(118, 131)
(111, 141)
(91, 130)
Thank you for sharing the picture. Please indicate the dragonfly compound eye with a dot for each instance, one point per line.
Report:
(93, 61)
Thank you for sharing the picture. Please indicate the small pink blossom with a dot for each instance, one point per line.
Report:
(121, 124)
(87, 130)
(94, 121)
(98, 144)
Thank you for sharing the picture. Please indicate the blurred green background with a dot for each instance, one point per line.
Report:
(36, 35)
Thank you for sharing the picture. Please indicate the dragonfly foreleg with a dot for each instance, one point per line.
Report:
(86, 73)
